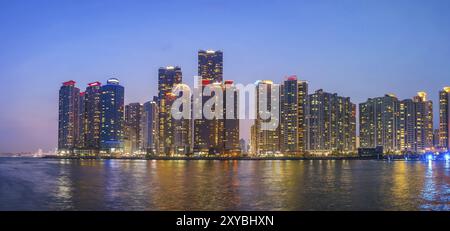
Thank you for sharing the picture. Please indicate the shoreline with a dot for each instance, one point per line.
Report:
(212, 158)
(283, 158)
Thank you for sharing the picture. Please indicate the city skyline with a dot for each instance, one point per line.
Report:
(298, 123)
(412, 119)
(329, 63)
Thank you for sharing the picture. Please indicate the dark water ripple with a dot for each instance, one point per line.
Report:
(50, 184)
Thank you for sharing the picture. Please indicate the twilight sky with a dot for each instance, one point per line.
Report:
(359, 48)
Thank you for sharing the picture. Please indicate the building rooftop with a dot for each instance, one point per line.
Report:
(113, 81)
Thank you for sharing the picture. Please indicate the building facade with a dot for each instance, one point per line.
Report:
(253, 141)
(210, 65)
(208, 133)
(416, 124)
(68, 118)
(267, 131)
(81, 143)
(168, 78)
(379, 120)
(150, 128)
(112, 125)
(331, 124)
(92, 118)
(182, 133)
(133, 130)
(436, 140)
(294, 94)
(444, 118)
(230, 125)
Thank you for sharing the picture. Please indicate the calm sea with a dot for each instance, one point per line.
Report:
(51, 184)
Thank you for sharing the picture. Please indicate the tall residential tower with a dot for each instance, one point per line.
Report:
(92, 117)
(379, 121)
(68, 123)
(168, 78)
(267, 131)
(112, 130)
(416, 124)
(133, 130)
(150, 128)
(331, 124)
(444, 118)
(294, 94)
(208, 133)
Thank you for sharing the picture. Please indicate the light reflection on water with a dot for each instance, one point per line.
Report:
(45, 184)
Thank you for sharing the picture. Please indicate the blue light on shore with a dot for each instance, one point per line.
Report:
(429, 157)
(447, 157)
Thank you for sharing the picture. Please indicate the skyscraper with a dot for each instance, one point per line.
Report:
(68, 122)
(267, 140)
(416, 124)
(168, 78)
(331, 124)
(210, 65)
(92, 117)
(208, 133)
(182, 132)
(81, 124)
(133, 133)
(205, 135)
(379, 120)
(112, 125)
(231, 119)
(150, 128)
(444, 118)
(253, 141)
(293, 99)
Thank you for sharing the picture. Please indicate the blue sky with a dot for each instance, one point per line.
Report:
(359, 48)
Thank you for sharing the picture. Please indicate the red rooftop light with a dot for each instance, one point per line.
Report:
(94, 84)
(69, 83)
(229, 81)
(292, 77)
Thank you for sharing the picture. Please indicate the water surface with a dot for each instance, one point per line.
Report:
(52, 184)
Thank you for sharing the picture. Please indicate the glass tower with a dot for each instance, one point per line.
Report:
(68, 122)
(444, 118)
(112, 104)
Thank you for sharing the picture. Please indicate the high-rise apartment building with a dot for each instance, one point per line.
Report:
(81, 124)
(92, 118)
(112, 118)
(182, 133)
(168, 78)
(253, 141)
(416, 124)
(208, 133)
(267, 131)
(231, 119)
(294, 94)
(150, 128)
(210, 65)
(331, 124)
(379, 120)
(68, 122)
(133, 130)
(444, 118)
